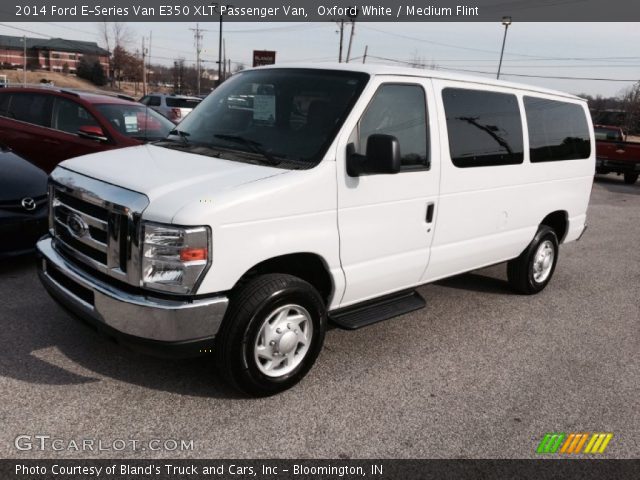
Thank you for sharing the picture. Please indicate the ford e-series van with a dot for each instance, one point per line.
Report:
(291, 197)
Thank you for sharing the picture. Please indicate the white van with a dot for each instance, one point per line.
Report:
(291, 197)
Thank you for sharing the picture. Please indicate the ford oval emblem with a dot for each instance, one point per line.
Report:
(76, 225)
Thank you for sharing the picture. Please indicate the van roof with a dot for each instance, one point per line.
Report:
(377, 69)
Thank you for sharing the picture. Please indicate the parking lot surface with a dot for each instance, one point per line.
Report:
(480, 372)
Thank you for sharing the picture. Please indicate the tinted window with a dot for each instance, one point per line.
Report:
(68, 116)
(4, 104)
(484, 128)
(557, 130)
(181, 102)
(398, 110)
(153, 101)
(32, 108)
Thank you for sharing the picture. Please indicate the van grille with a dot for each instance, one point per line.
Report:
(96, 224)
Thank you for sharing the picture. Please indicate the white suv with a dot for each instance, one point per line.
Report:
(174, 107)
(294, 196)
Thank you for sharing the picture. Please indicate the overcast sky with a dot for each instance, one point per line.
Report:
(594, 50)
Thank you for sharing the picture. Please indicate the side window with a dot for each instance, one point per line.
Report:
(401, 111)
(5, 99)
(31, 108)
(68, 116)
(557, 130)
(153, 101)
(145, 100)
(484, 128)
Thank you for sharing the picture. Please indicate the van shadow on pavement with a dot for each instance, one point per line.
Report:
(43, 344)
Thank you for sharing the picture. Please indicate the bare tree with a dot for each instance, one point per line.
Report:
(115, 35)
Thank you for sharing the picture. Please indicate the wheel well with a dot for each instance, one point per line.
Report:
(310, 267)
(558, 221)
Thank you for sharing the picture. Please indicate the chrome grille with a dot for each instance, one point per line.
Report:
(96, 224)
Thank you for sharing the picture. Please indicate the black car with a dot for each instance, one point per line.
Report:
(23, 204)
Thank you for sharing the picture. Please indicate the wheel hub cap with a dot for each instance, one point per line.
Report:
(283, 340)
(543, 261)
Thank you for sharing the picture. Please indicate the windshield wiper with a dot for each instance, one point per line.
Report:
(256, 147)
(183, 135)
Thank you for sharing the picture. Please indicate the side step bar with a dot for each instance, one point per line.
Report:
(377, 310)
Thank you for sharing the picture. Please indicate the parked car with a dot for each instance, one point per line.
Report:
(247, 229)
(48, 125)
(23, 204)
(615, 155)
(173, 107)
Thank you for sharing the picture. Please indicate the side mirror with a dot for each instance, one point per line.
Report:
(382, 157)
(92, 132)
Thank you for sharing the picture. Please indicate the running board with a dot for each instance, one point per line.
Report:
(374, 311)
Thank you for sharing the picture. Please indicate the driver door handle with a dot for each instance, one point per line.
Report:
(430, 209)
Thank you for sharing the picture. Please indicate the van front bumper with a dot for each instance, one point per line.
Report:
(186, 327)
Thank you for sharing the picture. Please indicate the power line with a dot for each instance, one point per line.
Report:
(461, 47)
(554, 77)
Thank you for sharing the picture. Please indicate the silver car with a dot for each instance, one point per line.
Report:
(174, 107)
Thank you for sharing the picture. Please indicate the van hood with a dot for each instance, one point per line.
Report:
(156, 171)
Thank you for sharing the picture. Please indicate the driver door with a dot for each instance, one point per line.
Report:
(386, 221)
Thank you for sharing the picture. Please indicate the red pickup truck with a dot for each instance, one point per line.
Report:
(615, 154)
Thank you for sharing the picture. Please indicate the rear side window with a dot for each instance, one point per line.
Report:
(31, 108)
(557, 130)
(484, 128)
(181, 102)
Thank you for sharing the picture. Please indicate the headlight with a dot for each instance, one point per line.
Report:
(174, 258)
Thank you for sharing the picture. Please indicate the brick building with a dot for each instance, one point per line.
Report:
(49, 54)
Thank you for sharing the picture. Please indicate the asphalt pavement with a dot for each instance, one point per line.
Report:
(479, 373)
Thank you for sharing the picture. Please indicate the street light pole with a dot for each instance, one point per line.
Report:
(506, 21)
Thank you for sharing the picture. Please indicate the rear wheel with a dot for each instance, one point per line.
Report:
(533, 269)
(630, 178)
(272, 334)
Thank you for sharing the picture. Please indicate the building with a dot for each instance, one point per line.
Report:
(49, 54)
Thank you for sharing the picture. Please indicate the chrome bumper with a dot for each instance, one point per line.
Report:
(139, 316)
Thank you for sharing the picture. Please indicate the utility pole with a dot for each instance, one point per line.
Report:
(224, 59)
(220, 52)
(364, 57)
(353, 27)
(149, 71)
(341, 33)
(144, 69)
(24, 64)
(197, 36)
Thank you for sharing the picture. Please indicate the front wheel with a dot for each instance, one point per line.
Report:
(272, 334)
(533, 269)
(630, 178)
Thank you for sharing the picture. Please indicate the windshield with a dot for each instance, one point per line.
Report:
(136, 121)
(281, 117)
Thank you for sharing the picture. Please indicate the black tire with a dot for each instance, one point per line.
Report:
(249, 308)
(520, 271)
(630, 178)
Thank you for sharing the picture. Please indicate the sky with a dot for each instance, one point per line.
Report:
(586, 50)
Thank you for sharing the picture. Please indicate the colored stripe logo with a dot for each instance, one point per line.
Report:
(572, 443)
